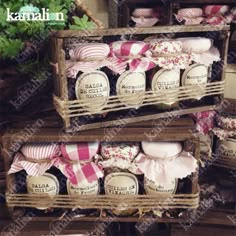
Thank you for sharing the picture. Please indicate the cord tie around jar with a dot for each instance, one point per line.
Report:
(133, 53)
(89, 57)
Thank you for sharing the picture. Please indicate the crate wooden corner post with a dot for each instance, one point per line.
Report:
(10, 179)
(61, 96)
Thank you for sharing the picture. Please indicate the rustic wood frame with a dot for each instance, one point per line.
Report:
(65, 107)
(134, 132)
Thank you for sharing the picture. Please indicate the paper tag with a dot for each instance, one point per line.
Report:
(132, 83)
(166, 79)
(83, 189)
(160, 189)
(95, 88)
(45, 184)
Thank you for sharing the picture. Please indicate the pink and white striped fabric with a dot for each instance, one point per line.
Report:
(114, 64)
(210, 10)
(85, 170)
(84, 52)
(39, 152)
(90, 57)
(132, 52)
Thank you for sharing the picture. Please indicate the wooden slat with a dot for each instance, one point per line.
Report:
(135, 133)
(148, 30)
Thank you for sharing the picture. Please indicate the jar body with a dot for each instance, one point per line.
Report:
(163, 79)
(52, 182)
(119, 182)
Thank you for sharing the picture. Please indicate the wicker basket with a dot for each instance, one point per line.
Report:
(69, 109)
(132, 133)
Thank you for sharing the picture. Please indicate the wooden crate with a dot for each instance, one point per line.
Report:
(179, 130)
(230, 82)
(123, 10)
(70, 110)
(177, 4)
(220, 160)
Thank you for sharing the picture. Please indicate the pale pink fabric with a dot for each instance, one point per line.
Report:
(144, 22)
(165, 170)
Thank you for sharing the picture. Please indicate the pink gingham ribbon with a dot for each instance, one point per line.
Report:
(77, 162)
(45, 154)
(133, 53)
(92, 56)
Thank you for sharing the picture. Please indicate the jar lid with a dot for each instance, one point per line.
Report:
(145, 12)
(165, 46)
(39, 151)
(125, 151)
(161, 150)
(83, 151)
(90, 51)
(190, 12)
(128, 48)
(195, 44)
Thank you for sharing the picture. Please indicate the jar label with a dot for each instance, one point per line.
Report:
(121, 183)
(166, 79)
(227, 148)
(195, 74)
(132, 83)
(161, 189)
(83, 189)
(44, 184)
(94, 87)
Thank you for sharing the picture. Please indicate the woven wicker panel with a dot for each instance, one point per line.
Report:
(145, 202)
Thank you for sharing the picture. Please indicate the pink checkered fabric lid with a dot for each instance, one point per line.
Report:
(77, 162)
